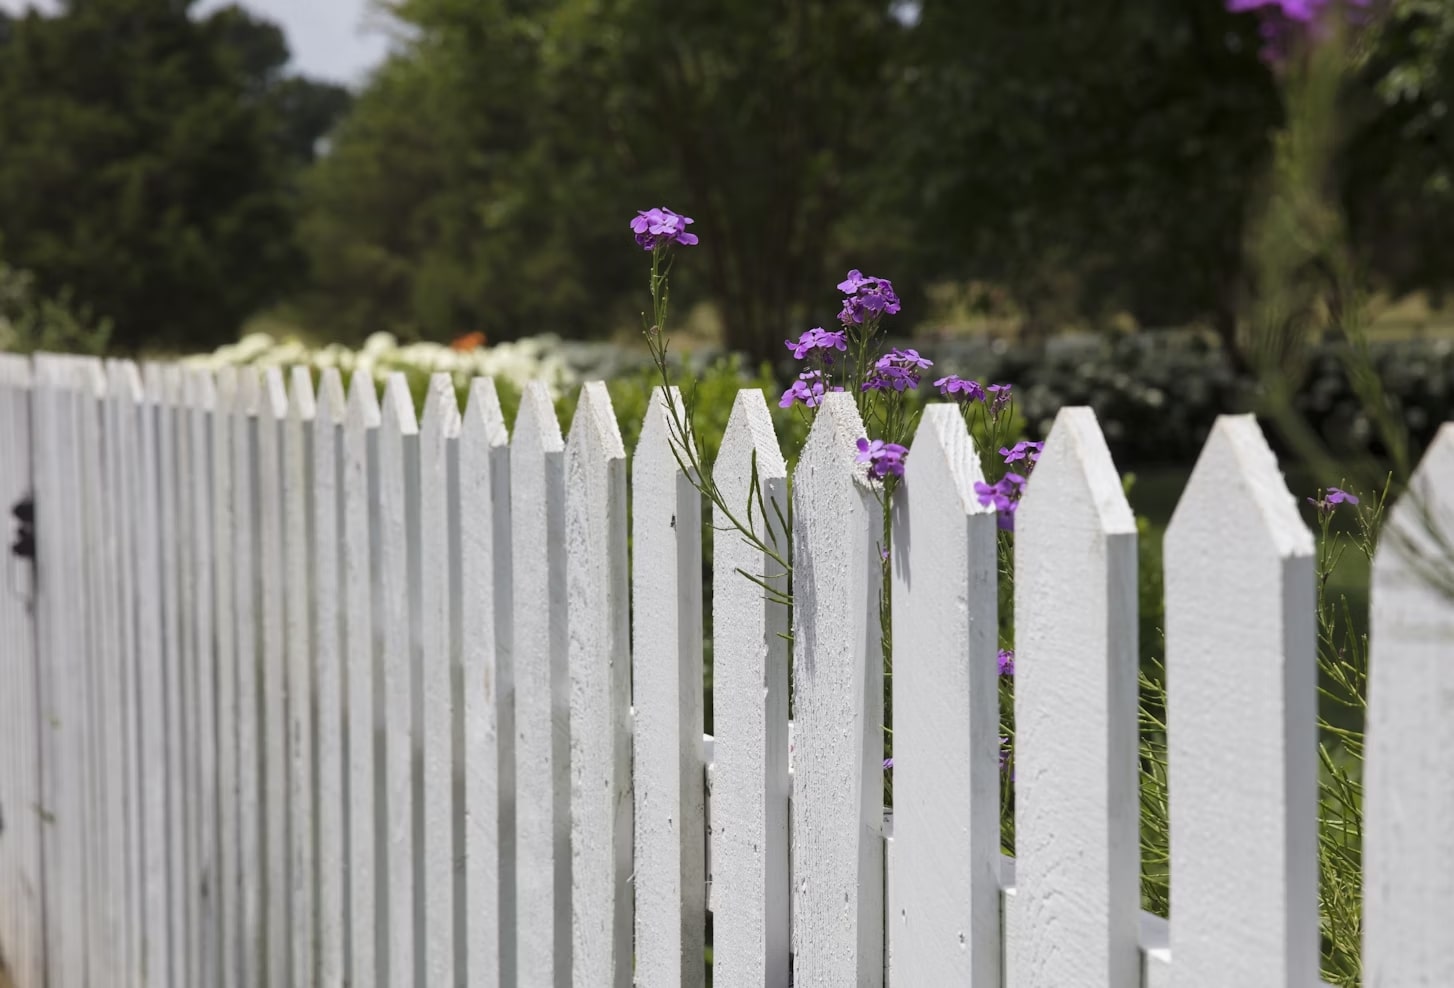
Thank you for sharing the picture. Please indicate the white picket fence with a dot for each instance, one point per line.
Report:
(304, 692)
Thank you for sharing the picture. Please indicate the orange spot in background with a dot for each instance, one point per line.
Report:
(469, 341)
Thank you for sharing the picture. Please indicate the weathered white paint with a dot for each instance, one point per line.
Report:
(1076, 832)
(397, 502)
(1242, 688)
(838, 682)
(22, 929)
(328, 638)
(599, 620)
(298, 672)
(439, 432)
(229, 892)
(248, 660)
(367, 869)
(944, 874)
(488, 699)
(277, 898)
(1408, 857)
(201, 397)
(666, 585)
(542, 695)
(749, 812)
(177, 390)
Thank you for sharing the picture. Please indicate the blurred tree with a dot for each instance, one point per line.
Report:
(148, 163)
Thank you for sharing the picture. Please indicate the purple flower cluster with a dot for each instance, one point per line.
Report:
(960, 389)
(897, 370)
(659, 227)
(1284, 21)
(866, 298)
(1333, 497)
(1004, 494)
(1007, 662)
(817, 340)
(1301, 11)
(1025, 449)
(809, 388)
(882, 458)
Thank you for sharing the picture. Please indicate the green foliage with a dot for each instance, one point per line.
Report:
(30, 322)
(146, 169)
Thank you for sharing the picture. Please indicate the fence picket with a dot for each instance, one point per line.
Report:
(542, 694)
(328, 632)
(201, 397)
(945, 855)
(367, 872)
(749, 878)
(398, 518)
(1240, 650)
(600, 693)
(1408, 861)
(438, 433)
(1076, 838)
(185, 665)
(667, 687)
(488, 690)
(225, 430)
(246, 603)
(22, 884)
(838, 691)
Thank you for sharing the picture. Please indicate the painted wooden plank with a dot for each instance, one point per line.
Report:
(226, 535)
(599, 627)
(488, 690)
(838, 689)
(298, 672)
(398, 517)
(1076, 835)
(272, 600)
(201, 399)
(944, 877)
(247, 602)
(749, 812)
(327, 540)
(125, 398)
(1242, 689)
(367, 873)
(22, 911)
(667, 694)
(1408, 848)
(439, 432)
(542, 694)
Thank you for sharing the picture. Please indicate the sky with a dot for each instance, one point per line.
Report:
(336, 40)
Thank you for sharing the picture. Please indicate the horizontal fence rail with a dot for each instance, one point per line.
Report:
(298, 688)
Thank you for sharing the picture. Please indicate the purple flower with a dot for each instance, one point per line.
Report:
(882, 458)
(1004, 753)
(997, 396)
(1284, 21)
(897, 370)
(818, 338)
(809, 388)
(1334, 496)
(1004, 495)
(1007, 662)
(888, 764)
(1024, 450)
(659, 227)
(868, 298)
(959, 388)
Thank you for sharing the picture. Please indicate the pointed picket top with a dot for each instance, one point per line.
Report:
(249, 390)
(441, 407)
(151, 381)
(598, 620)
(1076, 838)
(171, 384)
(205, 395)
(396, 408)
(944, 877)
(1408, 863)
(1242, 708)
(482, 414)
(302, 404)
(274, 396)
(748, 868)
(91, 376)
(658, 437)
(332, 403)
(536, 425)
(225, 385)
(837, 666)
(363, 402)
